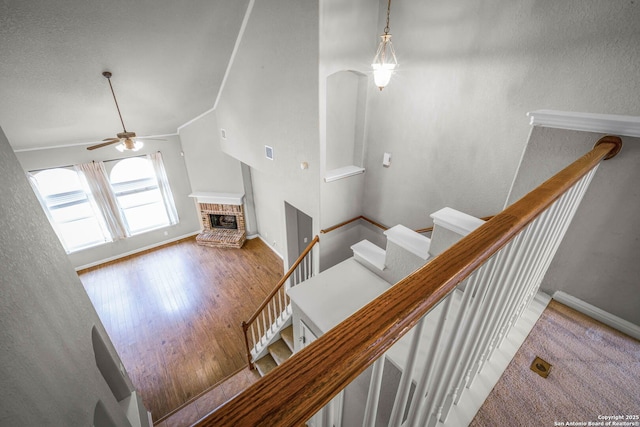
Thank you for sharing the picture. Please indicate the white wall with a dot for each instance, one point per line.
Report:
(271, 98)
(210, 169)
(178, 178)
(47, 364)
(453, 116)
(598, 260)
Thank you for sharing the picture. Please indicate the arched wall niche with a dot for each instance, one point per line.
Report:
(346, 105)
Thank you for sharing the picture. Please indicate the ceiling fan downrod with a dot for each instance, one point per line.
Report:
(107, 75)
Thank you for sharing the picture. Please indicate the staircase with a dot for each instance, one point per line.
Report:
(405, 252)
(477, 289)
(278, 352)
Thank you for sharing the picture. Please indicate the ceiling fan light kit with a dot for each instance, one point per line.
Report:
(130, 144)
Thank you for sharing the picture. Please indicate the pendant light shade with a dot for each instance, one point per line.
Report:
(385, 62)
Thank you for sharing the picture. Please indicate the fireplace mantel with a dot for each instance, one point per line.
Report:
(218, 198)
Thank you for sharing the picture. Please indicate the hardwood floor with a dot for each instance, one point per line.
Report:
(174, 314)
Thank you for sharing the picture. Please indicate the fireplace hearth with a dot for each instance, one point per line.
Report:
(222, 219)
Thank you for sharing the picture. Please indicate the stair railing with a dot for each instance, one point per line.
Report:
(349, 221)
(500, 264)
(382, 227)
(276, 306)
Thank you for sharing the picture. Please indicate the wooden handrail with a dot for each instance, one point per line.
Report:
(349, 221)
(296, 390)
(384, 227)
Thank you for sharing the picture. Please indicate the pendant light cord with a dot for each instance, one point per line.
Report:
(386, 29)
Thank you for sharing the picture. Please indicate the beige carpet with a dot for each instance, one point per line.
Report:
(595, 374)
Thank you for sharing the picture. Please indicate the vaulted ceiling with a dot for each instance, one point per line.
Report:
(168, 60)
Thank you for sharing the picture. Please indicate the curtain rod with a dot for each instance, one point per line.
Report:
(103, 161)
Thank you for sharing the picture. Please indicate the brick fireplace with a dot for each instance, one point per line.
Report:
(222, 219)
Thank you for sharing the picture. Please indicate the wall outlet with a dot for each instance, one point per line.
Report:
(166, 233)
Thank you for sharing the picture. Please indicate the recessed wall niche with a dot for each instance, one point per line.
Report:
(346, 104)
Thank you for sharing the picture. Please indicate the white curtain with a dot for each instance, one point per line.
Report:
(94, 176)
(163, 185)
(34, 185)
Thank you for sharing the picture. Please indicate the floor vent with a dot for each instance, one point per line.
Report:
(541, 367)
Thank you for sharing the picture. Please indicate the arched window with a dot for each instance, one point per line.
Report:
(136, 189)
(76, 221)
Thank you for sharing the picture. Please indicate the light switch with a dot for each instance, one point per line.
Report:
(386, 160)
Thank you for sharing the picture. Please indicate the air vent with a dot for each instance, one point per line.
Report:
(541, 367)
(268, 151)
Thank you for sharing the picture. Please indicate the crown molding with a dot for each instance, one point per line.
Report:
(589, 122)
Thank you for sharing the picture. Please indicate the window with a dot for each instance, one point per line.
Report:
(86, 206)
(70, 210)
(136, 189)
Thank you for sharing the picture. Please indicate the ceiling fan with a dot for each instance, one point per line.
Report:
(125, 138)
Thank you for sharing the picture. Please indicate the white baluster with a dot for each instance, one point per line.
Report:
(264, 326)
(371, 408)
(420, 401)
(405, 381)
(253, 335)
(442, 381)
(485, 299)
(492, 305)
(481, 281)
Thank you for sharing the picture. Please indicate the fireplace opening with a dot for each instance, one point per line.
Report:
(227, 222)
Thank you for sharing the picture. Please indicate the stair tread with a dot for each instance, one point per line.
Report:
(371, 253)
(279, 351)
(287, 336)
(265, 364)
(410, 240)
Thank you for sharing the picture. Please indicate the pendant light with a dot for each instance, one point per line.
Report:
(385, 62)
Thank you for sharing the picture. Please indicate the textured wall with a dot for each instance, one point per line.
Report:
(48, 370)
(210, 169)
(454, 114)
(598, 260)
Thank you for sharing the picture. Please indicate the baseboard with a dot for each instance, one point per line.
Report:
(135, 251)
(270, 247)
(598, 314)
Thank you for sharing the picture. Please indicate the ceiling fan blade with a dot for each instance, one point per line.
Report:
(111, 139)
(104, 144)
(150, 139)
